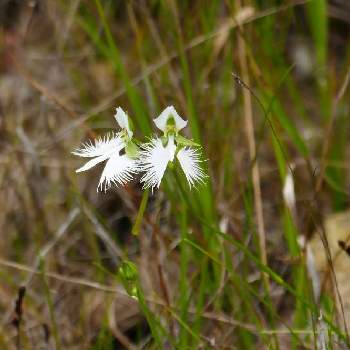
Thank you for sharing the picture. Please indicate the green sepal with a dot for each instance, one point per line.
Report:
(131, 150)
(186, 142)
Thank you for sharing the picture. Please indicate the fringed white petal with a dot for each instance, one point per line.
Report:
(190, 159)
(123, 120)
(162, 119)
(102, 146)
(118, 170)
(154, 159)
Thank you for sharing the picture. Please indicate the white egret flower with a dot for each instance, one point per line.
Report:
(118, 149)
(156, 155)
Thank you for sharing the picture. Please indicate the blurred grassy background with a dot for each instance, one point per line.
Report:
(219, 268)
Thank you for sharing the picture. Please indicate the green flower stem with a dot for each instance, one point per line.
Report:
(136, 229)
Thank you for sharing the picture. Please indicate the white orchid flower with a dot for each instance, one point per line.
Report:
(118, 149)
(156, 155)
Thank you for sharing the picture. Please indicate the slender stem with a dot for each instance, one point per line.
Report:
(136, 229)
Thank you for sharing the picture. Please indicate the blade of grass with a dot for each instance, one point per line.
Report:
(54, 327)
(135, 99)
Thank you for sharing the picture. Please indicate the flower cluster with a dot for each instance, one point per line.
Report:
(127, 157)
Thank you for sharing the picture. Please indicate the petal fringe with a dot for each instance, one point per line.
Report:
(190, 160)
(154, 159)
(108, 144)
(118, 171)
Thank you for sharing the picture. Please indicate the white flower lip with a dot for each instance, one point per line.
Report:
(123, 120)
(118, 170)
(154, 159)
(162, 119)
(171, 148)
